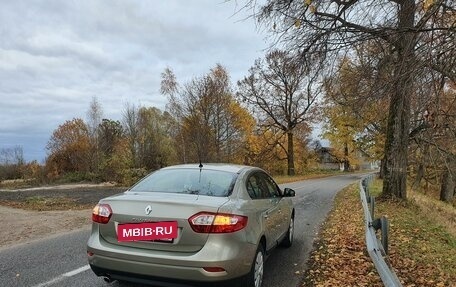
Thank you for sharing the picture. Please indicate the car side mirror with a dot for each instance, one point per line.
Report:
(288, 192)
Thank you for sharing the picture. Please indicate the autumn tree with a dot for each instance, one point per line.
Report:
(434, 139)
(148, 132)
(433, 157)
(356, 105)
(110, 132)
(419, 33)
(69, 148)
(212, 126)
(356, 98)
(115, 155)
(154, 146)
(282, 91)
(268, 145)
(341, 133)
(33, 171)
(445, 134)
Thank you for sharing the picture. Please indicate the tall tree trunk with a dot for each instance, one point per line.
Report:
(397, 136)
(291, 167)
(448, 186)
(421, 165)
(382, 168)
(419, 176)
(346, 161)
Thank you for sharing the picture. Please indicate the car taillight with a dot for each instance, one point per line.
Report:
(209, 222)
(101, 213)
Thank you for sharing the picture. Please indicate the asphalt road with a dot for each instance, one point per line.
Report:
(61, 260)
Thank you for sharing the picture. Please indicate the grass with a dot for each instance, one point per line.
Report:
(422, 247)
(422, 239)
(17, 183)
(441, 212)
(40, 203)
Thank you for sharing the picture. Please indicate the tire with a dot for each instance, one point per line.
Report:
(255, 276)
(288, 240)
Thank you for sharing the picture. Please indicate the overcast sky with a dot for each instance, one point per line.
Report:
(55, 56)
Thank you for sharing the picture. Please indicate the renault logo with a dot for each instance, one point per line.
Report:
(148, 209)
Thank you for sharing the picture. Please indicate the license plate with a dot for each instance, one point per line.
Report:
(150, 231)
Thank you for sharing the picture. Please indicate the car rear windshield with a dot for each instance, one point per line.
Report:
(189, 181)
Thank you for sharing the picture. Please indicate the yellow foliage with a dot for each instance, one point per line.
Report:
(313, 8)
(297, 23)
(351, 113)
(427, 4)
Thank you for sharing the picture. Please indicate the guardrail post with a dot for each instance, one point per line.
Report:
(376, 248)
(371, 202)
(366, 181)
(382, 224)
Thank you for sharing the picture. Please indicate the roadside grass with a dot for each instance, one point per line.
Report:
(40, 203)
(422, 249)
(443, 213)
(422, 241)
(17, 183)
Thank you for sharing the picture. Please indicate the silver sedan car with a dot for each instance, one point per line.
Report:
(192, 223)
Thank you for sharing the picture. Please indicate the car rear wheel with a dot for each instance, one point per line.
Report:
(288, 240)
(255, 276)
(258, 267)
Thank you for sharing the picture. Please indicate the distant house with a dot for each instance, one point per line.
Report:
(327, 160)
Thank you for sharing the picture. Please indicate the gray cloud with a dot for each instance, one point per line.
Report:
(56, 55)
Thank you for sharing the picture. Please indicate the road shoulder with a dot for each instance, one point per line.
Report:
(20, 226)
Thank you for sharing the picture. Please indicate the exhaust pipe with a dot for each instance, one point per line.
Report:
(107, 279)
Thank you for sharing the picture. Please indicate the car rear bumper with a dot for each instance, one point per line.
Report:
(235, 257)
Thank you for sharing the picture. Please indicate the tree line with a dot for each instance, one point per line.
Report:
(389, 69)
(206, 120)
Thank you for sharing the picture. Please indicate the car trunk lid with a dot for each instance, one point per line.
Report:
(156, 207)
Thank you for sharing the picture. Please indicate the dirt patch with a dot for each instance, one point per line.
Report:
(43, 217)
(20, 226)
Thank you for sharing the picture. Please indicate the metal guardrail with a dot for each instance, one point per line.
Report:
(377, 249)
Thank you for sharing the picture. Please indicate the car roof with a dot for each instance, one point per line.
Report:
(228, 167)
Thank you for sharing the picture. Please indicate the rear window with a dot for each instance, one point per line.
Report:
(189, 181)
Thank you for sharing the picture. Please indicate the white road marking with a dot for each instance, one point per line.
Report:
(63, 276)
